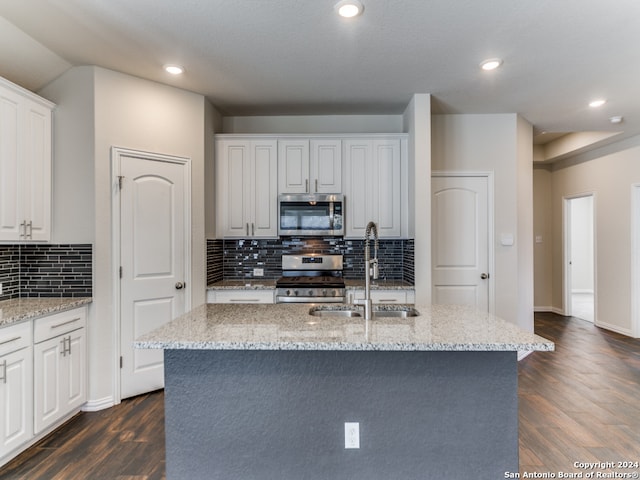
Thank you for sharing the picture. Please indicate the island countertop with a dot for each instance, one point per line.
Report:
(290, 327)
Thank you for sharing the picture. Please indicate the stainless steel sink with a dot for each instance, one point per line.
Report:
(333, 312)
(379, 311)
(395, 313)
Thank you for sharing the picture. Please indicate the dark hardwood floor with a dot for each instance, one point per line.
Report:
(577, 404)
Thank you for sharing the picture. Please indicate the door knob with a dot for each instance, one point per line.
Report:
(180, 285)
(484, 276)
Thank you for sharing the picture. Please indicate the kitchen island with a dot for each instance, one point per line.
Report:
(264, 392)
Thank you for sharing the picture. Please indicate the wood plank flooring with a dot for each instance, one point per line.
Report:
(580, 403)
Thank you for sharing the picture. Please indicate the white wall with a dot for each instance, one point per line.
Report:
(582, 244)
(542, 228)
(314, 124)
(417, 123)
(73, 127)
(608, 173)
(126, 112)
(500, 144)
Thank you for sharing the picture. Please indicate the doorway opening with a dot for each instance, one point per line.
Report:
(579, 249)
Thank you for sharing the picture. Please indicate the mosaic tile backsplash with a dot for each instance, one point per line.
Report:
(236, 259)
(45, 270)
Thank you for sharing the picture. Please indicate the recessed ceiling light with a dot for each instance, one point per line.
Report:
(491, 64)
(597, 103)
(174, 69)
(349, 8)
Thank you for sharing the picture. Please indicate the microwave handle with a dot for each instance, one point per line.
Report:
(331, 215)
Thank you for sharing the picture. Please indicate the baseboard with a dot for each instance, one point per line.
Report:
(543, 309)
(615, 328)
(99, 404)
(523, 354)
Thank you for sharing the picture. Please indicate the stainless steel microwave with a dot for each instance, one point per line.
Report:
(310, 214)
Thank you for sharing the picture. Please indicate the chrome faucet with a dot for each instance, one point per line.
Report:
(371, 269)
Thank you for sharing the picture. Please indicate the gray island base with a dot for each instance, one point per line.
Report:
(262, 392)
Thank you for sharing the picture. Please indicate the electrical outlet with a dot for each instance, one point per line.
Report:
(352, 435)
(258, 272)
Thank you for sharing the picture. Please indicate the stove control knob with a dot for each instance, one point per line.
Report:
(288, 293)
(295, 292)
(335, 293)
(324, 293)
(311, 293)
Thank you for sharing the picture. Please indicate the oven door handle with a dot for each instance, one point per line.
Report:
(282, 299)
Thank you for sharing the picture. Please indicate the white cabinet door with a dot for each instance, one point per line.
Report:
(10, 167)
(16, 399)
(246, 188)
(263, 217)
(293, 166)
(240, 296)
(60, 359)
(37, 172)
(373, 179)
(310, 165)
(326, 165)
(25, 165)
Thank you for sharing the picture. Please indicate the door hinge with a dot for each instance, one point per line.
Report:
(121, 362)
(120, 179)
(120, 270)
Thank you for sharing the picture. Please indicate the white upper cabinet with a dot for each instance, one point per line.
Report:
(375, 170)
(246, 188)
(25, 165)
(310, 165)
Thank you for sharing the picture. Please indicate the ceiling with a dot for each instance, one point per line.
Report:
(293, 57)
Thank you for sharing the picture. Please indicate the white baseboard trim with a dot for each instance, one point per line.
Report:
(99, 404)
(522, 354)
(543, 309)
(549, 309)
(615, 328)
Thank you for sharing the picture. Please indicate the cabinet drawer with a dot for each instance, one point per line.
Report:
(243, 296)
(15, 337)
(58, 324)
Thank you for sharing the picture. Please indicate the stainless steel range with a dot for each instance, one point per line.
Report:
(311, 278)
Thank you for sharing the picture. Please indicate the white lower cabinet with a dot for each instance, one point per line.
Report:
(59, 366)
(240, 296)
(387, 296)
(16, 387)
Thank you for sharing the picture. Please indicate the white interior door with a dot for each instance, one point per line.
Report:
(153, 238)
(460, 240)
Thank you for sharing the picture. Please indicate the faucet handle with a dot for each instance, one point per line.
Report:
(375, 271)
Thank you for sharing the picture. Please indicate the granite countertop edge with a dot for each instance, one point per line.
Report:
(18, 310)
(290, 327)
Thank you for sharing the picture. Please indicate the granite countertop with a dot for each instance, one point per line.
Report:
(290, 327)
(254, 284)
(19, 309)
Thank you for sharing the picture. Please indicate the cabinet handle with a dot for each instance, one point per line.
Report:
(247, 229)
(64, 347)
(11, 340)
(4, 371)
(316, 185)
(253, 229)
(387, 300)
(58, 325)
(23, 229)
(306, 185)
(244, 300)
(30, 230)
(69, 344)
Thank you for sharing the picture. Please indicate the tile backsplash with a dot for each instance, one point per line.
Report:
(45, 270)
(235, 259)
